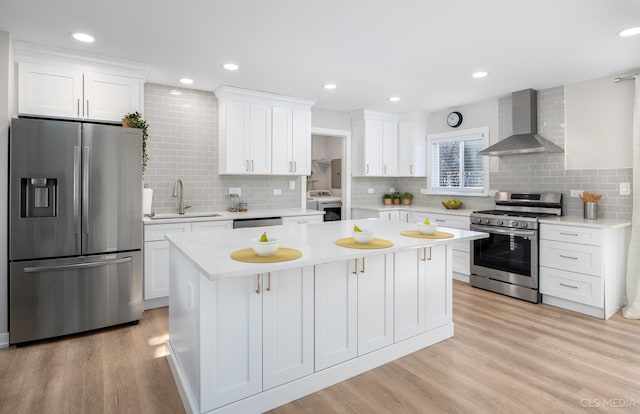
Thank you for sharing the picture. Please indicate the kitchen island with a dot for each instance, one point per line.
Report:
(248, 337)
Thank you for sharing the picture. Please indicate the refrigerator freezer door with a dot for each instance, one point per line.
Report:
(44, 184)
(62, 296)
(112, 188)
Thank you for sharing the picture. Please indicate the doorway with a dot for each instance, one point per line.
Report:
(331, 166)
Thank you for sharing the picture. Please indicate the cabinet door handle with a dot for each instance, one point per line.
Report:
(252, 169)
(290, 166)
(295, 167)
(568, 257)
(87, 108)
(246, 165)
(411, 169)
(78, 107)
(355, 268)
(569, 286)
(367, 168)
(385, 169)
(259, 286)
(425, 253)
(269, 282)
(569, 234)
(362, 271)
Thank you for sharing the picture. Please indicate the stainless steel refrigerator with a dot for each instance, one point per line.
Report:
(75, 227)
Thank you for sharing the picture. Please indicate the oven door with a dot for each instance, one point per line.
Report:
(508, 255)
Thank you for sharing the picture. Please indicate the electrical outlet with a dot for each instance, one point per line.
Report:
(292, 185)
(625, 188)
(370, 191)
(492, 193)
(423, 191)
(576, 193)
(277, 191)
(392, 190)
(235, 191)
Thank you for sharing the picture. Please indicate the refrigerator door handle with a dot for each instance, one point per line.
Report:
(76, 265)
(76, 193)
(85, 190)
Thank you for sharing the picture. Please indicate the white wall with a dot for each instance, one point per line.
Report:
(481, 114)
(322, 118)
(7, 109)
(598, 124)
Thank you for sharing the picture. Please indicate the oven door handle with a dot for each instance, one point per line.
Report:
(508, 232)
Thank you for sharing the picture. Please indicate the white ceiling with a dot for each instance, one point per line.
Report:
(421, 50)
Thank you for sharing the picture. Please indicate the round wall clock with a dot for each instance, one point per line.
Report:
(454, 119)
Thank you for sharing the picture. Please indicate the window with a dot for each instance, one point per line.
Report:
(454, 164)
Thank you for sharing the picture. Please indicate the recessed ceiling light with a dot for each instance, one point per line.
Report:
(186, 81)
(330, 86)
(394, 99)
(479, 75)
(230, 66)
(175, 92)
(83, 37)
(632, 31)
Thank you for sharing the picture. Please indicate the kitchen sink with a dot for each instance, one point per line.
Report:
(185, 215)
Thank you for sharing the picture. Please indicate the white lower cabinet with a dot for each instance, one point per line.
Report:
(410, 290)
(156, 256)
(461, 250)
(336, 307)
(264, 337)
(437, 260)
(583, 268)
(354, 308)
(390, 215)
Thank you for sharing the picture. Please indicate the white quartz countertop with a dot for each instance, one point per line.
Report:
(420, 209)
(210, 250)
(581, 222)
(227, 215)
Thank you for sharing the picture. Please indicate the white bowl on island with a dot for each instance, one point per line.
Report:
(267, 248)
(427, 229)
(363, 236)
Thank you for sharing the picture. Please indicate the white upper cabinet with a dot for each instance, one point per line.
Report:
(412, 145)
(261, 133)
(110, 97)
(374, 143)
(57, 84)
(291, 153)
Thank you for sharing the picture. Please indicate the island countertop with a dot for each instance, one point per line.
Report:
(210, 250)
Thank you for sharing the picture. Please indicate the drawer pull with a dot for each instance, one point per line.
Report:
(440, 221)
(568, 257)
(569, 234)
(355, 268)
(569, 286)
(259, 284)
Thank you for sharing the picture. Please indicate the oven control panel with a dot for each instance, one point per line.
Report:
(523, 223)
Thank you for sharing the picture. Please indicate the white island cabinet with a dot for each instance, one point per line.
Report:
(247, 337)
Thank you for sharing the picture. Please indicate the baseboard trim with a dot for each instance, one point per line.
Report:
(4, 340)
(156, 303)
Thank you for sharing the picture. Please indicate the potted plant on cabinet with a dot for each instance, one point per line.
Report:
(387, 199)
(396, 197)
(406, 198)
(134, 120)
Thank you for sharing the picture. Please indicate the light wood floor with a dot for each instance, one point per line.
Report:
(507, 356)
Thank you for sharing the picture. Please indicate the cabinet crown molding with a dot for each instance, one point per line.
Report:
(36, 53)
(225, 92)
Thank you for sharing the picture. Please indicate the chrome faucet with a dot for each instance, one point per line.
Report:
(177, 192)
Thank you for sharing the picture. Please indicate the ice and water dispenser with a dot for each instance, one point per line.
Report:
(38, 198)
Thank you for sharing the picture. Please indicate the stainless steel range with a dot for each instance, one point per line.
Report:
(507, 261)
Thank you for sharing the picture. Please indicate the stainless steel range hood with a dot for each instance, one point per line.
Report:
(525, 139)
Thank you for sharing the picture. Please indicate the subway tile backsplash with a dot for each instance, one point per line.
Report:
(183, 143)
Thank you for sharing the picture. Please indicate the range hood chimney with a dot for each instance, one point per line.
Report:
(525, 138)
